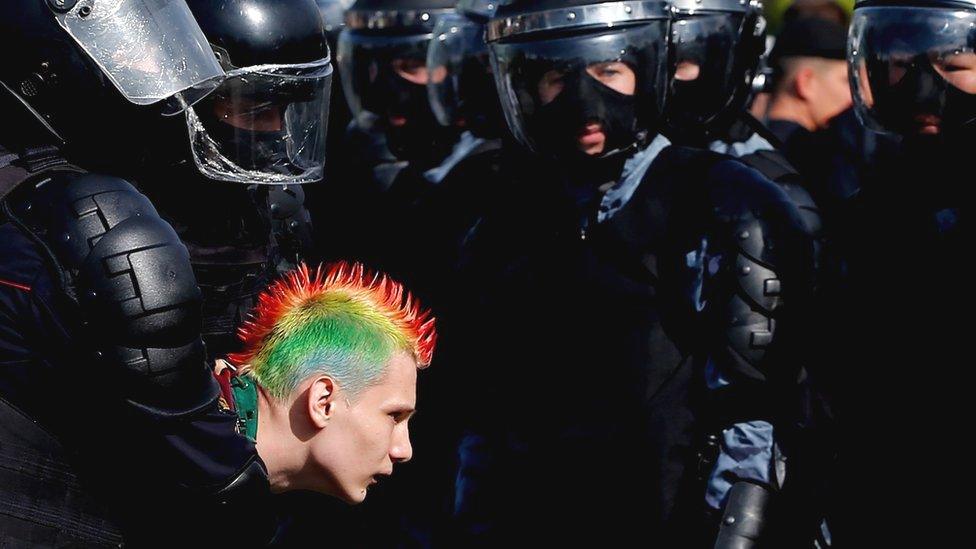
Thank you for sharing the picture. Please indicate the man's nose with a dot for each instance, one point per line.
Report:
(401, 450)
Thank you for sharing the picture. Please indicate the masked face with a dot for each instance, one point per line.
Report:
(588, 95)
(401, 98)
(592, 112)
(708, 70)
(387, 76)
(264, 125)
(914, 69)
(254, 131)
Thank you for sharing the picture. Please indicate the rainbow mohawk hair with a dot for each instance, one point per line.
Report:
(344, 321)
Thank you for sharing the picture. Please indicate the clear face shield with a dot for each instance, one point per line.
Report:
(265, 124)
(706, 64)
(151, 50)
(913, 70)
(461, 87)
(597, 94)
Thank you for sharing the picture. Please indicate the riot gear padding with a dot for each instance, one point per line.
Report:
(745, 517)
(132, 278)
(913, 70)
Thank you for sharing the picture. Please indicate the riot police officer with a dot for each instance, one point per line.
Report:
(253, 144)
(394, 146)
(612, 269)
(717, 48)
(463, 97)
(911, 70)
(105, 385)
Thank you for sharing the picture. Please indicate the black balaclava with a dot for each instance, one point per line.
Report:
(584, 100)
(421, 139)
(695, 103)
(921, 90)
(254, 150)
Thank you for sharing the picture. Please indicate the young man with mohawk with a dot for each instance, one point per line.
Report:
(327, 382)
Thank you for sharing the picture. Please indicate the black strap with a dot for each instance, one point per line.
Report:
(16, 168)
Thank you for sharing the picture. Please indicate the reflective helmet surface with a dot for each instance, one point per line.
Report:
(267, 123)
(79, 66)
(461, 87)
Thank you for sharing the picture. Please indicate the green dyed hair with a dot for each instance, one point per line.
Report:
(343, 321)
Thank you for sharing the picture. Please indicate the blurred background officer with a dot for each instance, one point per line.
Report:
(810, 80)
(111, 430)
(463, 96)
(394, 144)
(334, 19)
(717, 49)
(914, 76)
(589, 260)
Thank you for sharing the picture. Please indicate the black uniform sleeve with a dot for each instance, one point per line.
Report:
(757, 285)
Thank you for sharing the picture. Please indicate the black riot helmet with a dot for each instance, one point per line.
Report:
(267, 122)
(86, 68)
(717, 45)
(382, 57)
(913, 66)
(581, 79)
(461, 87)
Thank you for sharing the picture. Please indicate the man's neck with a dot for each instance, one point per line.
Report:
(792, 109)
(282, 458)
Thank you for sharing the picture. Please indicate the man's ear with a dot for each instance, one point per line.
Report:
(803, 83)
(322, 400)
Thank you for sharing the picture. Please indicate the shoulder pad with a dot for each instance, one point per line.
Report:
(134, 282)
(766, 264)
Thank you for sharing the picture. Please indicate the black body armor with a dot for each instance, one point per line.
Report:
(114, 283)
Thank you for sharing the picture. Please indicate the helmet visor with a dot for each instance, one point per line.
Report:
(705, 55)
(913, 70)
(151, 50)
(265, 124)
(458, 56)
(597, 73)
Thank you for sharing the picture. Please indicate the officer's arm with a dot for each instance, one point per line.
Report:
(140, 323)
(758, 285)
